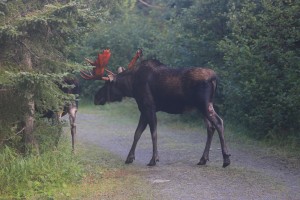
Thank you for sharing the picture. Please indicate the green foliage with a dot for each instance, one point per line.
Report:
(254, 47)
(199, 28)
(24, 177)
(12, 110)
(178, 36)
(19, 90)
(34, 84)
(262, 66)
(33, 40)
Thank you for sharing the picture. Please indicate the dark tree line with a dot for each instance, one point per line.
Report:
(253, 45)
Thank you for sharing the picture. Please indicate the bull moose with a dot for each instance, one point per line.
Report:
(157, 87)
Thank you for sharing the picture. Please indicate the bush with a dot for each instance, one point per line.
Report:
(262, 63)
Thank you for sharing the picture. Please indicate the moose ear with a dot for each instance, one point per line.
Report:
(111, 77)
(120, 69)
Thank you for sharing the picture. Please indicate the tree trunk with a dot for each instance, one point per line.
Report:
(31, 144)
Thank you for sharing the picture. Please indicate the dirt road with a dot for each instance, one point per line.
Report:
(253, 174)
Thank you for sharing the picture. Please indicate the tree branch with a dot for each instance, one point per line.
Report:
(29, 49)
(149, 5)
(1, 142)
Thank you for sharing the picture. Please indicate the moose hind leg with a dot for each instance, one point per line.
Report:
(210, 132)
(72, 117)
(217, 122)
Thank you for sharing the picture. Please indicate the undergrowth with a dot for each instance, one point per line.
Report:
(23, 177)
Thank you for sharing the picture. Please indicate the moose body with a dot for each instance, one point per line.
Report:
(156, 87)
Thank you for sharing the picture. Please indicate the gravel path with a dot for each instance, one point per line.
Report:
(253, 173)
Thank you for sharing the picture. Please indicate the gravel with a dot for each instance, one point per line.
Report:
(253, 173)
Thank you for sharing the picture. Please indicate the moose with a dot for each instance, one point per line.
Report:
(69, 108)
(157, 87)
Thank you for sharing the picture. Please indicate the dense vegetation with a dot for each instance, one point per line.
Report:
(253, 45)
(36, 40)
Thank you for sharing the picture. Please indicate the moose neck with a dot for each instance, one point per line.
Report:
(124, 83)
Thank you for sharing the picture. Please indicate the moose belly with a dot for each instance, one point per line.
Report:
(173, 106)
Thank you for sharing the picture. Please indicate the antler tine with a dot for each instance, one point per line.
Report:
(109, 71)
(138, 54)
(90, 76)
(105, 78)
(86, 76)
(89, 61)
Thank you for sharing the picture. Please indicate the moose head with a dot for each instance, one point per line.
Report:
(108, 93)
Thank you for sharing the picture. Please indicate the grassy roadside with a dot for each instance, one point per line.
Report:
(105, 177)
(91, 173)
(37, 176)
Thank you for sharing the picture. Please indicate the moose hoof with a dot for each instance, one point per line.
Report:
(153, 162)
(202, 161)
(226, 161)
(129, 160)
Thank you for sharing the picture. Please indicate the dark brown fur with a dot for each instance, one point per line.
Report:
(156, 87)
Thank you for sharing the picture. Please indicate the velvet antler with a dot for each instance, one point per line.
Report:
(138, 54)
(100, 66)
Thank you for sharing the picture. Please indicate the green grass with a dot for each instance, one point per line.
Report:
(92, 173)
(29, 176)
(56, 173)
(105, 177)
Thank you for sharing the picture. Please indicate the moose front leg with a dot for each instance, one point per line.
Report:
(139, 130)
(152, 120)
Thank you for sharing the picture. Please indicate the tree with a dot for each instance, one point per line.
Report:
(262, 64)
(36, 38)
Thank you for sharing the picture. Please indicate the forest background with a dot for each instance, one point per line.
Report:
(254, 46)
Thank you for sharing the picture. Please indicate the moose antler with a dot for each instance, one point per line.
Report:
(138, 54)
(98, 71)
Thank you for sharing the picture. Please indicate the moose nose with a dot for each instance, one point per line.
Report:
(99, 101)
(96, 101)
